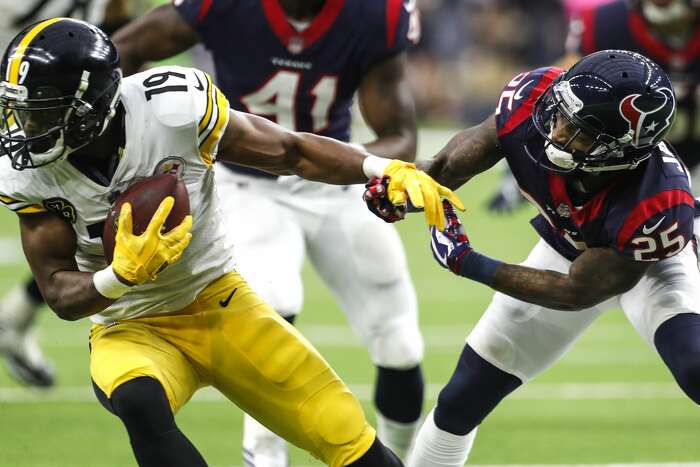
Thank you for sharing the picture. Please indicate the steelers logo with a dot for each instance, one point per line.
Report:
(171, 164)
(62, 208)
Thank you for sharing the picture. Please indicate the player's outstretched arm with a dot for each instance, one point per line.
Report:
(388, 107)
(468, 153)
(596, 275)
(256, 142)
(49, 244)
(159, 34)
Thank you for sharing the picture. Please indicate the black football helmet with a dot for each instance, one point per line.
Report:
(620, 103)
(60, 88)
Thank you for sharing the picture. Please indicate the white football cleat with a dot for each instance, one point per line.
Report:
(262, 447)
(18, 344)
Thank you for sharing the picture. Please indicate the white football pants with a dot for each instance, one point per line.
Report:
(274, 222)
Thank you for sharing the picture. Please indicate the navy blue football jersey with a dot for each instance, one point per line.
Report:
(645, 214)
(303, 80)
(616, 26)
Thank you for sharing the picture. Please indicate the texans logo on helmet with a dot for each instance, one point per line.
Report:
(648, 116)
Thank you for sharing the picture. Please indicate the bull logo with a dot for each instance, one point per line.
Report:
(648, 117)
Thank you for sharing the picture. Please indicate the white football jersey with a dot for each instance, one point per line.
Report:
(174, 120)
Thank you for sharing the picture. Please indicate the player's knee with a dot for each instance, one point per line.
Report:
(338, 424)
(142, 405)
(474, 390)
(398, 348)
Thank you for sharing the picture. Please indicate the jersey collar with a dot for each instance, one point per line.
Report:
(677, 59)
(296, 42)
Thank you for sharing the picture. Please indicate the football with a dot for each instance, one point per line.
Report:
(145, 196)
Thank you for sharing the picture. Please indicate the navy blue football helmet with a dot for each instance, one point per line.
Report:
(59, 90)
(617, 106)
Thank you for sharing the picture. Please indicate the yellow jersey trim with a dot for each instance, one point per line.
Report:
(204, 122)
(208, 144)
(34, 208)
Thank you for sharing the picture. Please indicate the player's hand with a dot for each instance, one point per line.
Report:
(139, 258)
(451, 244)
(375, 196)
(408, 184)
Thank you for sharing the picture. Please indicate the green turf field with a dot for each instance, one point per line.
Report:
(609, 401)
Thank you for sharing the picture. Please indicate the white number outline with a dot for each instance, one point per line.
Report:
(652, 246)
(23, 71)
(277, 97)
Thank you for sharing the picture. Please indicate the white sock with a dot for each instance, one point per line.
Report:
(395, 435)
(17, 309)
(262, 447)
(438, 448)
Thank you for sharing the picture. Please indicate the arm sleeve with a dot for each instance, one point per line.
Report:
(582, 33)
(202, 15)
(658, 227)
(394, 26)
(192, 101)
(19, 206)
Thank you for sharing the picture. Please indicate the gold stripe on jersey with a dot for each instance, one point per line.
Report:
(31, 209)
(21, 207)
(209, 142)
(204, 122)
(7, 200)
(18, 55)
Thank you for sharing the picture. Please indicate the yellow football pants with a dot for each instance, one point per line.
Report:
(230, 339)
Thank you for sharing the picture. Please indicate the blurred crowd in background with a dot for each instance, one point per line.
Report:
(470, 48)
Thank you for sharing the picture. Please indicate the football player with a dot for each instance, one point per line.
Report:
(308, 61)
(667, 31)
(616, 225)
(170, 314)
(19, 307)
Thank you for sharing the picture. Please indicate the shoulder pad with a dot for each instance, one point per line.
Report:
(176, 96)
(518, 97)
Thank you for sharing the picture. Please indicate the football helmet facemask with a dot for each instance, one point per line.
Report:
(606, 113)
(60, 89)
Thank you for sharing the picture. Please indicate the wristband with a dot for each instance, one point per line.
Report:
(477, 267)
(108, 285)
(374, 166)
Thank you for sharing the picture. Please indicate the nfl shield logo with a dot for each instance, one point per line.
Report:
(563, 211)
(295, 45)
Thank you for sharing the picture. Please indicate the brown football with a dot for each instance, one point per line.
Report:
(145, 196)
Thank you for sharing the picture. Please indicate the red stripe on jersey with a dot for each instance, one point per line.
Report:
(659, 50)
(525, 110)
(648, 208)
(588, 38)
(393, 14)
(284, 31)
(583, 215)
(204, 9)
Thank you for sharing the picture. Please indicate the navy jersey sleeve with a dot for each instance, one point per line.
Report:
(393, 27)
(201, 14)
(658, 227)
(518, 97)
(598, 28)
(581, 35)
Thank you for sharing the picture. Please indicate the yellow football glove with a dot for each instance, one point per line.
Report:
(407, 182)
(139, 258)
